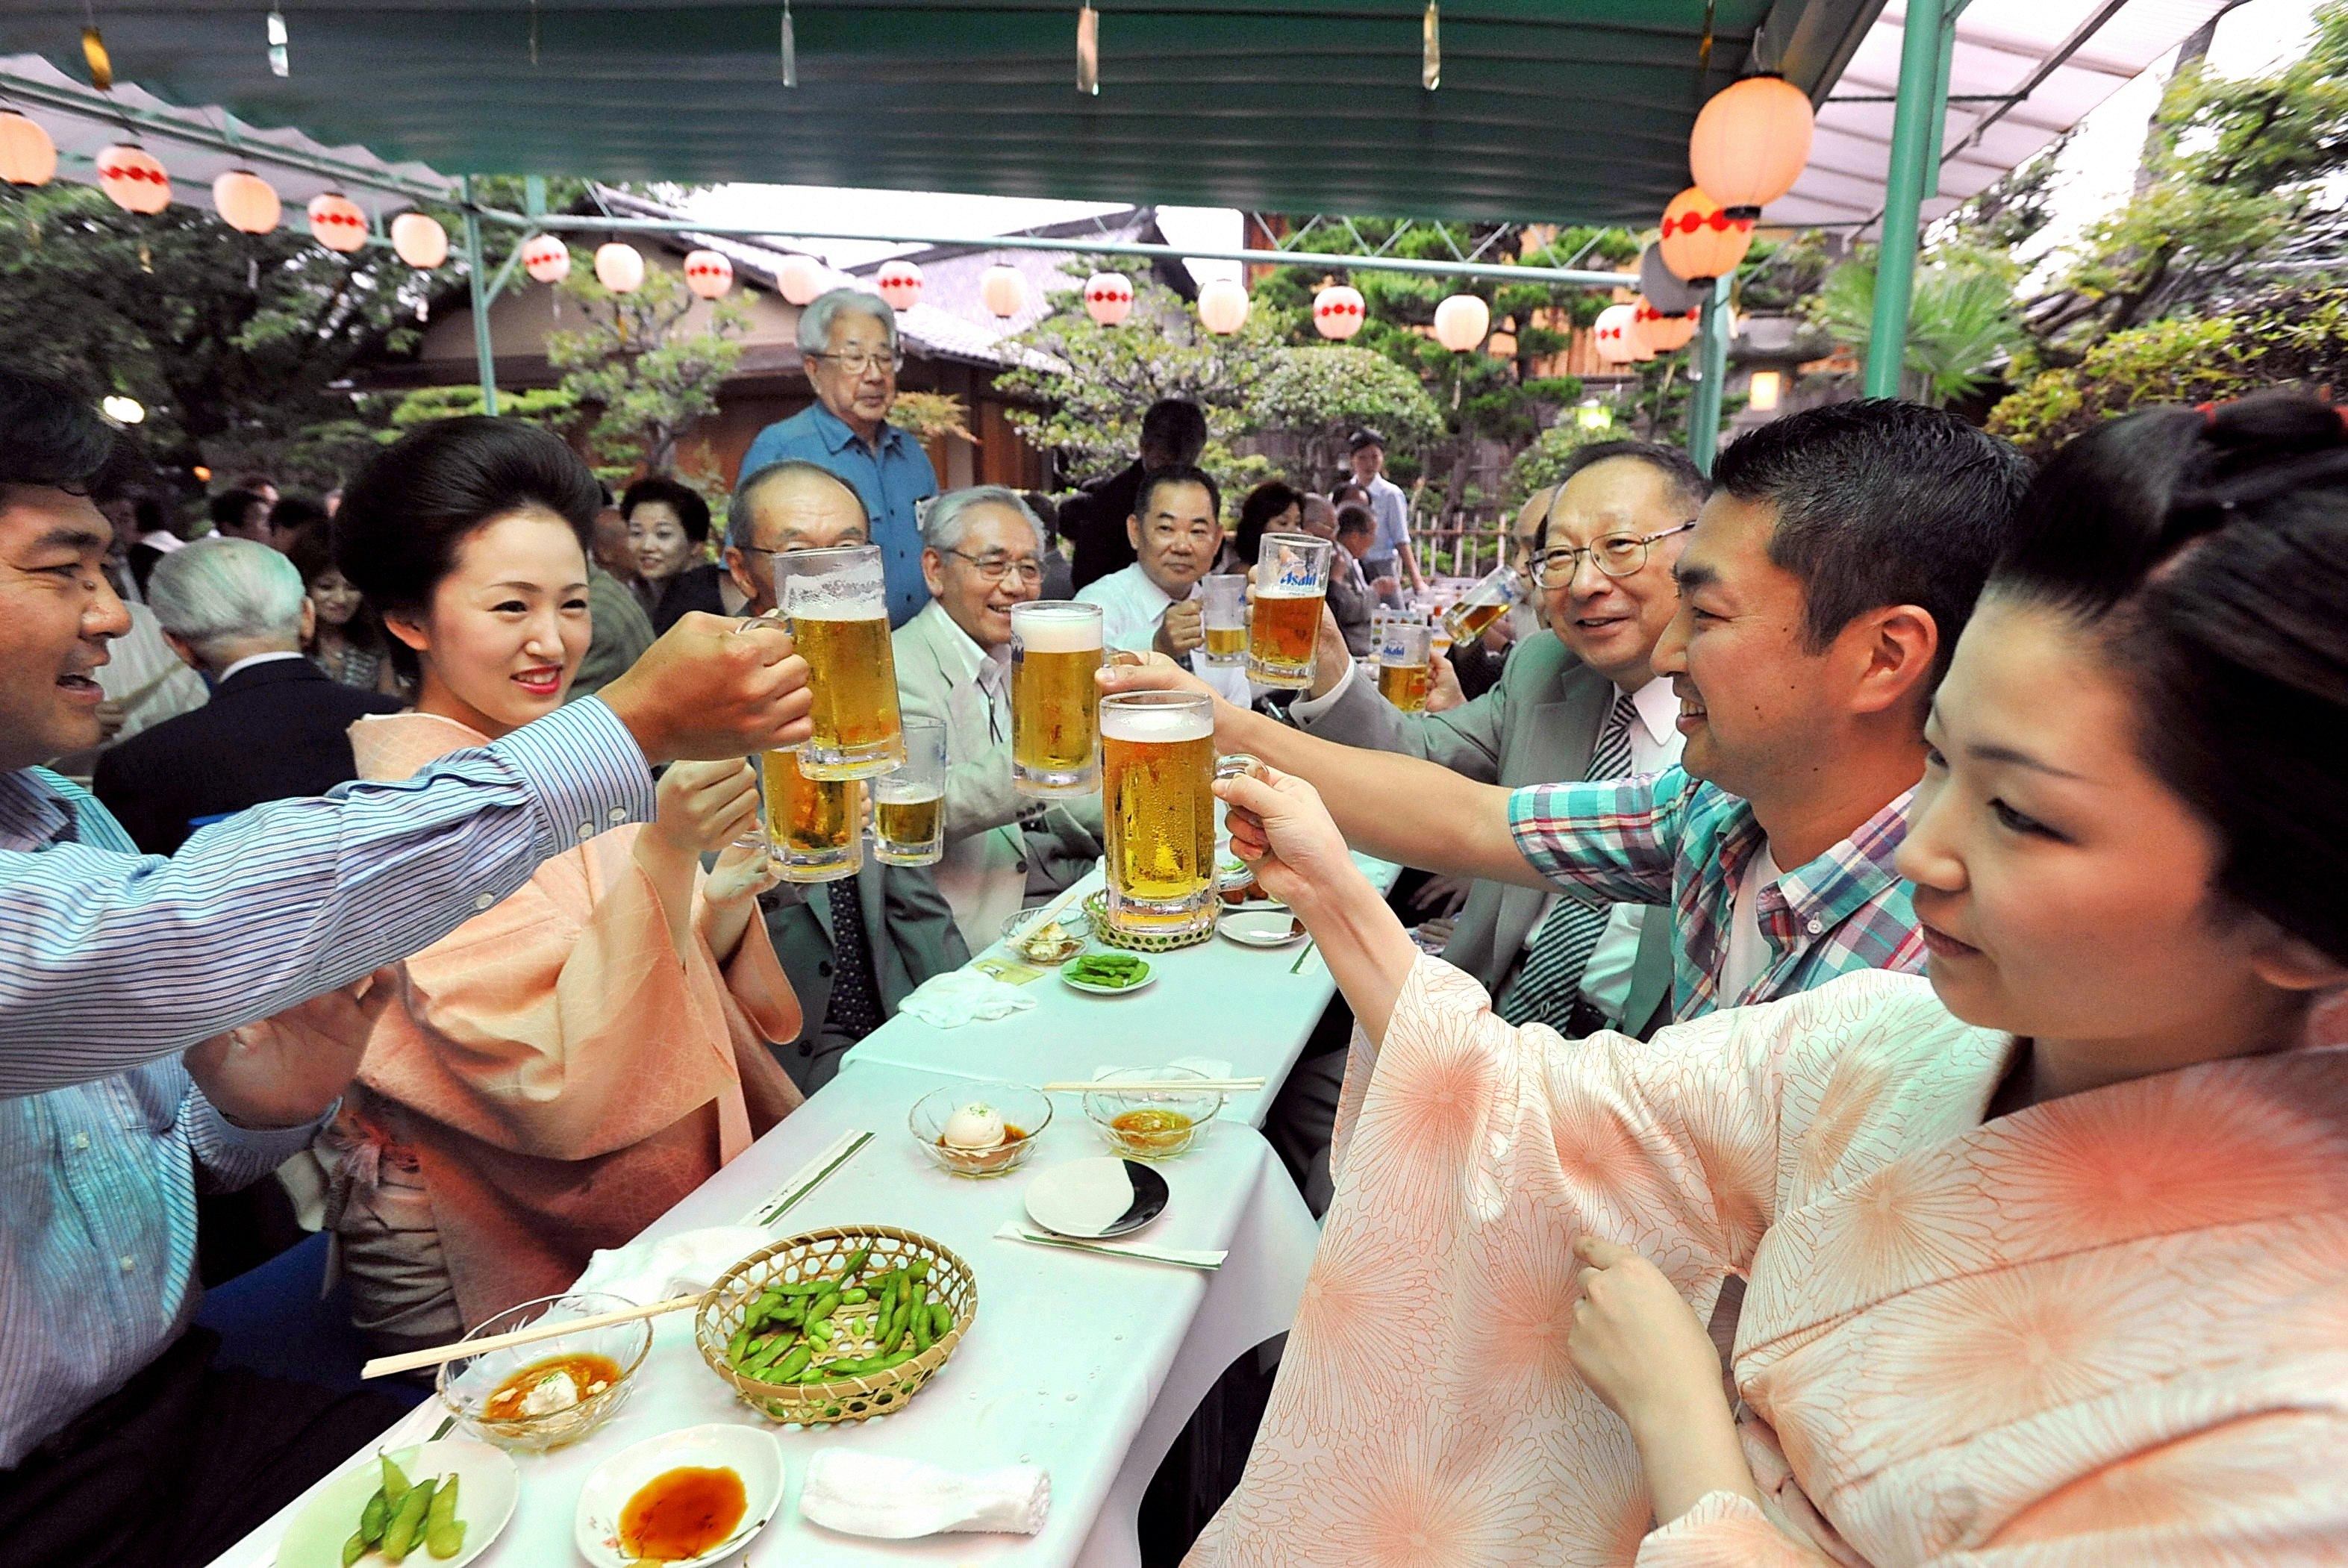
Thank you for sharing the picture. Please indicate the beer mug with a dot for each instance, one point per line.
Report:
(909, 806)
(1404, 666)
(838, 606)
(1292, 577)
(1484, 604)
(1055, 646)
(1158, 810)
(815, 826)
(1223, 603)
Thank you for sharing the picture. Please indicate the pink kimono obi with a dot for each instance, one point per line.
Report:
(2109, 1329)
(554, 1073)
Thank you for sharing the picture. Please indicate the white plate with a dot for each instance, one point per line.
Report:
(1261, 927)
(488, 1484)
(1091, 1199)
(748, 1451)
(1149, 979)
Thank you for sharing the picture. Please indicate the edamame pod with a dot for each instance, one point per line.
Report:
(443, 1536)
(395, 1483)
(373, 1517)
(854, 1295)
(399, 1535)
(848, 1270)
(354, 1549)
(940, 1318)
(788, 1368)
(737, 1345)
(917, 1269)
(823, 1305)
(922, 1334)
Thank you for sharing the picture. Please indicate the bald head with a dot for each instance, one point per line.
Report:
(788, 506)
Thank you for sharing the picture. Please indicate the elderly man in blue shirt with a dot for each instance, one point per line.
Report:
(849, 340)
(172, 1024)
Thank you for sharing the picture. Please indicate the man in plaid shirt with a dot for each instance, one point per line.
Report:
(1820, 595)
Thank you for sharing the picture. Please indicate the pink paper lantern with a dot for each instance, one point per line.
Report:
(1702, 240)
(1661, 332)
(1222, 306)
(420, 240)
(1337, 312)
(1003, 291)
(899, 283)
(133, 180)
(1108, 297)
(801, 280)
(707, 274)
(246, 202)
(337, 222)
(1461, 321)
(620, 267)
(28, 156)
(1751, 141)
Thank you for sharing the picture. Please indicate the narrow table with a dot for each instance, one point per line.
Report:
(1253, 1007)
(1084, 1365)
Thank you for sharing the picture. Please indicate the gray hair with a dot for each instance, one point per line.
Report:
(742, 506)
(947, 523)
(219, 591)
(815, 321)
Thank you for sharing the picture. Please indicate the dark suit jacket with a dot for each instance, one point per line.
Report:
(908, 925)
(270, 732)
(695, 588)
(1094, 519)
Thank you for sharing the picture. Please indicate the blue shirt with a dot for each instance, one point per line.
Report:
(112, 961)
(889, 482)
(1391, 508)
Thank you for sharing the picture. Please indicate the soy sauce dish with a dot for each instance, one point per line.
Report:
(683, 1500)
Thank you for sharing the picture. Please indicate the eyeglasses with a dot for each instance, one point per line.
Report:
(1616, 555)
(888, 360)
(992, 569)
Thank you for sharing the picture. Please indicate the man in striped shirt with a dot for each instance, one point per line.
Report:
(1820, 595)
(142, 1053)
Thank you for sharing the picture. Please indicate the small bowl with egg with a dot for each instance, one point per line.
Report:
(1151, 1124)
(540, 1396)
(980, 1129)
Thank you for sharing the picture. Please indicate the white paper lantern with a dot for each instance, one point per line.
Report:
(546, 258)
(707, 274)
(28, 156)
(133, 180)
(1108, 297)
(1461, 321)
(899, 283)
(337, 222)
(1222, 306)
(420, 240)
(1610, 334)
(1337, 312)
(246, 202)
(1003, 291)
(801, 280)
(620, 267)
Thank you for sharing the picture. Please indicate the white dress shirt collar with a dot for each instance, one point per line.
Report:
(250, 660)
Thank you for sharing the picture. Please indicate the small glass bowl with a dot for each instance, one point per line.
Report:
(1075, 930)
(466, 1385)
(1026, 1111)
(1105, 1105)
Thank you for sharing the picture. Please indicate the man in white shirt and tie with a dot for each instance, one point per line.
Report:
(1153, 605)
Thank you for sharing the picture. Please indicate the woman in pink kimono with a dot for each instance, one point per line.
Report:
(555, 1074)
(2045, 1259)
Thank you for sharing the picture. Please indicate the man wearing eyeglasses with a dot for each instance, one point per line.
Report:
(985, 553)
(848, 339)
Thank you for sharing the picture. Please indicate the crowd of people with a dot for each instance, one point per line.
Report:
(1849, 1080)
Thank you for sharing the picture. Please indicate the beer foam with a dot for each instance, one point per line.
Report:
(1057, 632)
(1162, 726)
(875, 608)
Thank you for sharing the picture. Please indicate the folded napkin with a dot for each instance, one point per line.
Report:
(897, 1499)
(958, 997)
(684, 1265)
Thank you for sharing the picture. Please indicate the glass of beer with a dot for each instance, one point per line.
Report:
(1484, 604)
(1404, 666)
(1055, 646)
(838, 608)
(815, 826)
(909, 806)
(1223, 603)
(1158, 808)
(1291, 576)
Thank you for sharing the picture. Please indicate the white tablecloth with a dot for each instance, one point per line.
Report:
(1253, 1007)
(1086, 1365)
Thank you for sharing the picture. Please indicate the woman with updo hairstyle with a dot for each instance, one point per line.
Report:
(668, 529)
(556, 1073)
(2043, 1257)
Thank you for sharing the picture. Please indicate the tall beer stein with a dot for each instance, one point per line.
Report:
(1158, 808)
(1292, 578)
(838, 607)
(1055, 646)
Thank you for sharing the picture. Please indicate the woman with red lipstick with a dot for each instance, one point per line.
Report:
(2044, 1258)
(557, 1072)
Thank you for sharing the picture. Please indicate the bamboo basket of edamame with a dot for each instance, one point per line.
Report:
(838, 1324)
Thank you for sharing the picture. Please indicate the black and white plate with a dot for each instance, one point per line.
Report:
(1094, 1199)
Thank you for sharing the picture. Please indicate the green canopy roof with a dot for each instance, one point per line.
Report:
(1564, 110)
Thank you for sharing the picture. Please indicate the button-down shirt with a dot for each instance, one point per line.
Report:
(1668, 839)
(1131, 607)
(1392, 509)
(891, 481)
(113, 962)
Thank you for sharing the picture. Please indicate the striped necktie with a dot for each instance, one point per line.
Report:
(1545, 984)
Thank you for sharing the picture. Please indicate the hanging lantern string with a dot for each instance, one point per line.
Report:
(1430, 62)
(1089, 51)
(790, 49)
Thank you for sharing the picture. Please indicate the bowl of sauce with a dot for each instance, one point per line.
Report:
(680, 1500)
(1150, 1124)
(532, 1397)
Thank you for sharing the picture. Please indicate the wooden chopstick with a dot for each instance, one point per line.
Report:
(384, 1365)
(1155, 1086)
